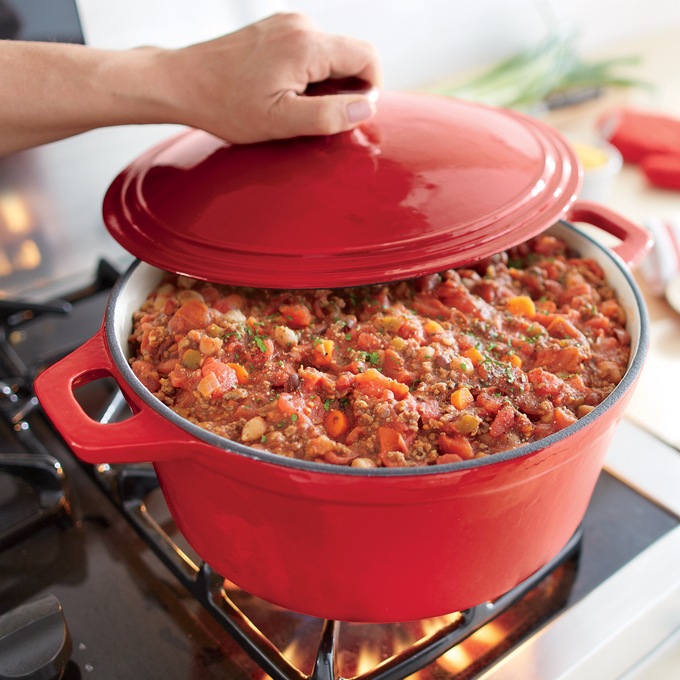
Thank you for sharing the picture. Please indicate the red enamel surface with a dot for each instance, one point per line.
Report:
(342, 546)
(430, 183)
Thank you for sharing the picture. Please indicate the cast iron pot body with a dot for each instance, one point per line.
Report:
(351, 544)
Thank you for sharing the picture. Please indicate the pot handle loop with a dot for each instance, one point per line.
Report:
(635, 240)
(145, 436)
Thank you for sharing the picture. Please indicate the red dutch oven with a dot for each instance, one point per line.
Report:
(431, 183)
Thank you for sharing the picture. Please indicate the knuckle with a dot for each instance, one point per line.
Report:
(325, 120)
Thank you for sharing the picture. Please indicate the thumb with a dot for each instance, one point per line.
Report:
(322, 115)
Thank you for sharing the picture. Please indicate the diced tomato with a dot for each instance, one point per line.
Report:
(224, 379)
(191, 314)
(503, 421)
(429, 409)
(445, 458)
(181, 376)
(544, 382)
(393, 367)
(560, 327)
(229, 302)
(315, 381)
(394, 459)
(290, 403)
(336, 457)
(458, 445)
(548, 245)
(563, 418)
(354, 435)
(489, 400)
(368, 341)
(375, 384)
(344, 383)
(460, 298)
(210, 294)
(430, 307)
(563, 360)
(146, 374)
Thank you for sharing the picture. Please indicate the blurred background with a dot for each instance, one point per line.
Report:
(419, 42)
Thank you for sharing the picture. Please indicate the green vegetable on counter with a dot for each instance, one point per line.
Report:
(547, 74)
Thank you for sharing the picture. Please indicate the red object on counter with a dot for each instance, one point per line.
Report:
(650, 139)
(637, 134)
(663, 170)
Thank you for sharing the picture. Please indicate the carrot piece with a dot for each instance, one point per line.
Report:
(462, 398)
(474, 355)
(374, 382)
(336, 423)
(521, 305)
(391, 440)
(431, 327)
(512, 359)
(241, 373)
(323, 352)
(296, 315)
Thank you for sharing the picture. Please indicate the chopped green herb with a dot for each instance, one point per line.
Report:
(260, 344)
(372, 357)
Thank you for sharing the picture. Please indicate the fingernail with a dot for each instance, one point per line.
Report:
(359, 110)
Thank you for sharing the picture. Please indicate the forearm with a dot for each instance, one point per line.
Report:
(49, 91)
(247, 86)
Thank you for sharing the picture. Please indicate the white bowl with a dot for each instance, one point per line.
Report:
(601, 163)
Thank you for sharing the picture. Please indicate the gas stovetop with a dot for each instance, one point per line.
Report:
(92, 554)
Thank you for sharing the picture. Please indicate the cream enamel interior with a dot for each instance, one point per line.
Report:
(144, 278)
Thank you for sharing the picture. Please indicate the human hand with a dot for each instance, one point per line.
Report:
(246, 86)
(249, 86)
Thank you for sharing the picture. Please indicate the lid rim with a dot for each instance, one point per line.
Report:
(447, 216)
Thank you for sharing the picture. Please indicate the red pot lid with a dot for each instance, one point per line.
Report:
(430, 183)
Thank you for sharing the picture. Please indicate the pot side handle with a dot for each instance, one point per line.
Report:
(635, 240)
(144, 437)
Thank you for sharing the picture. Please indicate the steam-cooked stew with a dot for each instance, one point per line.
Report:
(444, 368)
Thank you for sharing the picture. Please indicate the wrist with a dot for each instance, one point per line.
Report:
(135, 87)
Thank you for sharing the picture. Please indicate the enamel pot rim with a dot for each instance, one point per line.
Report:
(640, 344)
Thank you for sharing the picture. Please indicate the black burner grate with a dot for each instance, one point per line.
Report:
(132, 485)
